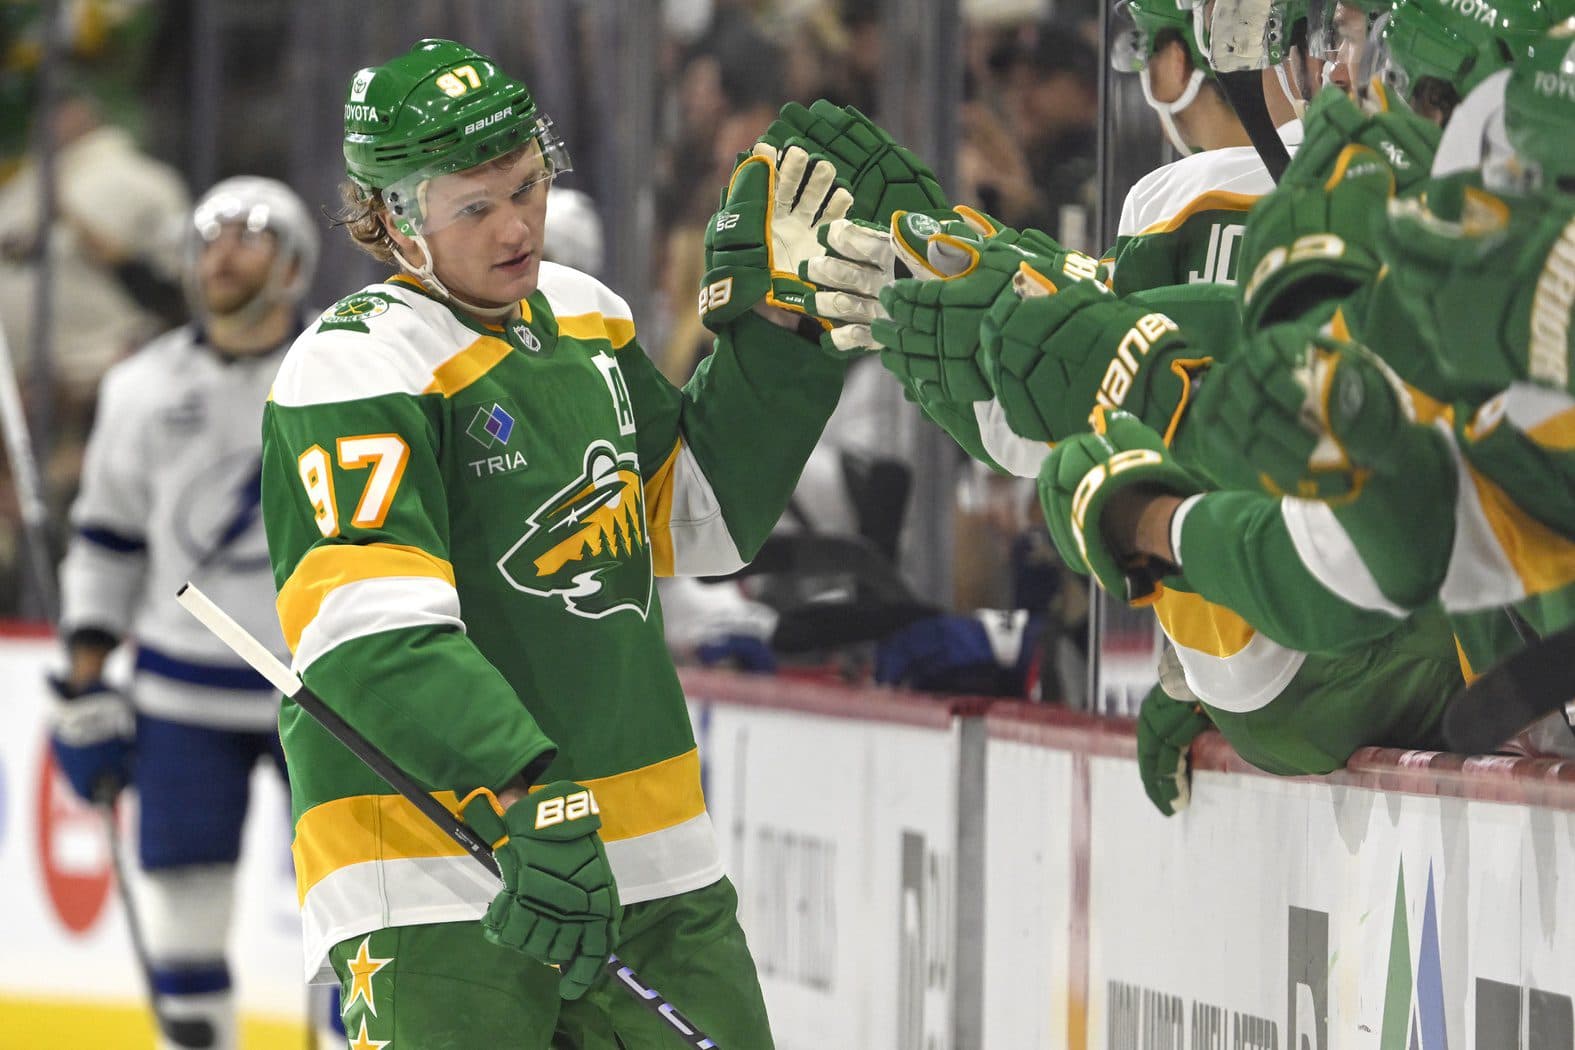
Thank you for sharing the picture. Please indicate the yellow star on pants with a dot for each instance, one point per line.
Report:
(365, 1042)
(362, 967)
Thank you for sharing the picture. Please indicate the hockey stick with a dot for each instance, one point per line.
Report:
(266, 664)
(29, 484)
(1511, 695)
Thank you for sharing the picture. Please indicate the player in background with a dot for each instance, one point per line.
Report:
(472, 473)
(170, 491)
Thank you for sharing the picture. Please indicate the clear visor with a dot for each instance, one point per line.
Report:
(435, 199)
(1374, 59)
(1129, 45)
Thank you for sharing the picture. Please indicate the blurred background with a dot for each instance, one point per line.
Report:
(118, 113)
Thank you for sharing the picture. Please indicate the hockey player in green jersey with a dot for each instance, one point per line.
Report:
(1277, 699)
(472, 473)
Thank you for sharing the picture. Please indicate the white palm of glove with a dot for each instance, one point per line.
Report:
(807, 198)
(862, 259)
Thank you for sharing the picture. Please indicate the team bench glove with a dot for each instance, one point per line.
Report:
(931, 334)
(1296, 413)
(91, 733)
(1078, 479)
(1053, 349)
(1312, 241)
(765, 228)
(1165, 731)
(884, 176)
(559, 902)
(1485, 281)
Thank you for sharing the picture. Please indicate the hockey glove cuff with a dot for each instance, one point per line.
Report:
(1079, 478)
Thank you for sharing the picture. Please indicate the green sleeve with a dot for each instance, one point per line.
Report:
(750, 415)
(398, 684)
(1237, 551)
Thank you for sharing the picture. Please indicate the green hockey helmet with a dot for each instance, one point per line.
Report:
(1146, 21)
(437, 109)
(1459, 42)
(1539, 109)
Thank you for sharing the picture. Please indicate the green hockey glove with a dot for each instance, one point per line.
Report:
(931, 334)
(884, 177)
(1052, 349)
(1486, 281)
(1078, 479)
(559, 902)
(766, 227)
(1165, 731)
(1384, 124)
(1297, 413)
(1308, 245)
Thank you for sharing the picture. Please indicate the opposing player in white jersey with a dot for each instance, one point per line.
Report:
(170, 492)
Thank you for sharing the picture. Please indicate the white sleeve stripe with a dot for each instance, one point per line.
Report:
(1329, 555)
(1244, 681)
(702, 546)
(368, 607)
(1012, 452)
(1177, 520)
(1480, 574)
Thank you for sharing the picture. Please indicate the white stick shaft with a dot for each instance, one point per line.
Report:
(239, 639)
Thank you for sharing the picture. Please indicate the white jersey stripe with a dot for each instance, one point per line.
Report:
(365, 607)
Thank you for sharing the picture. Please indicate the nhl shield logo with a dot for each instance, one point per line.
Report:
(588, 544)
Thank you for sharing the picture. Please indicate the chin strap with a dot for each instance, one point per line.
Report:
(1167, 110)
(1298, 104)
(426, 276)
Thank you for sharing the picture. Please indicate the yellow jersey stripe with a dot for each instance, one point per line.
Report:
(1214, 200)
(619, 331)
(1195, 622)
(365, 828)
(1543, 559)
(659, 513)
(333, 565)
(467, 366)
(1556, 432)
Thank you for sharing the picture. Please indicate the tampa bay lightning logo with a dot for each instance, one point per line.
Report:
(217, 519)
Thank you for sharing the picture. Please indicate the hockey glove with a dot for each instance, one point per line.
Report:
(1053, 349)
(1295, 413)
(559, 902)
(863, 257)
(1165, 731)
(765, 228)
(884, 177)
(1079, 478)
(1486, 283)
(92, 733)
(1383, 124)
(932, 337)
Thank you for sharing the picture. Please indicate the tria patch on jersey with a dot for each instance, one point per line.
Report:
(588, 544)
(353, 312)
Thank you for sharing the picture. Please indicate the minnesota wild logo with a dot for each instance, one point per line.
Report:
(587, 544)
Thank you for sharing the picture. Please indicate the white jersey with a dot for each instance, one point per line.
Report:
(170, 491)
